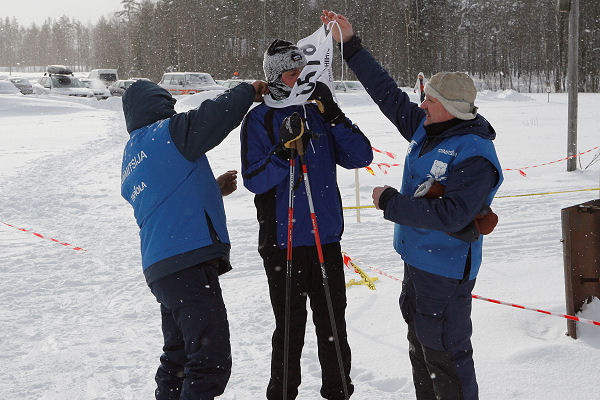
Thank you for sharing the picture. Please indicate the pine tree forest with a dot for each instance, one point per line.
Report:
(518, 44)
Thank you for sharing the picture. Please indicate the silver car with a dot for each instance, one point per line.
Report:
(117, 88)
(62, 85)
(59, 79)
(22, 84)
(188, 82)
(231, 83)
(96, 86)
(348, 86)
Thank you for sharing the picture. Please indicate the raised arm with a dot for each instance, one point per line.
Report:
(392, 101)
(199, 130)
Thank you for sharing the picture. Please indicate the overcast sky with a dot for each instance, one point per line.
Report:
(28, 11)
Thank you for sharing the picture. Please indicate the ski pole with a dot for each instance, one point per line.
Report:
(288, 276)
(313, 217)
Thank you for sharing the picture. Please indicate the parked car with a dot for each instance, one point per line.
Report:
(59, 80)
(188, 82)
(7, 87)
(96, 86)
(106, 75)
(231, 83)
(119, 87)
(347, 86)
(22, 84)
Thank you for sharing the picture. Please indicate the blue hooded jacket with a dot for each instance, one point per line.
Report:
(462, 158)
(168, 181)
(267, 175)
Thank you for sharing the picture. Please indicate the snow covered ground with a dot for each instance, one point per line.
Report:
(83, 325)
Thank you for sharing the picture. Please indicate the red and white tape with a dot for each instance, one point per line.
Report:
(548, 163)
(567, 316)
(347, 259)
(44, 237)
(387, 153)
(385, 166)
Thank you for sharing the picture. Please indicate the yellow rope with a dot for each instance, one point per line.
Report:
(502, 197)
(545, 193)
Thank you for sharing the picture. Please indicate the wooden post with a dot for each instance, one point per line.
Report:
(573, 84)
(357, 194)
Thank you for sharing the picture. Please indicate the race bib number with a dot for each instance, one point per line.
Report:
(318, 50)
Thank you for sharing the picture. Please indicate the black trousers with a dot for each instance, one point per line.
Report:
(196, 363)
(438, 312)
(306, 282)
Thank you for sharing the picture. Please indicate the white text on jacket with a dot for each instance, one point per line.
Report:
(137, 189)
(133, 163)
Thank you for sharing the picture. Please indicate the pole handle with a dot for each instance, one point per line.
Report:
(298, 146)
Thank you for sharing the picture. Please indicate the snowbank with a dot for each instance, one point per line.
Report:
(507, 94)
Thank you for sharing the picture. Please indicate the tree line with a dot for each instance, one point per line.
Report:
(521, 44)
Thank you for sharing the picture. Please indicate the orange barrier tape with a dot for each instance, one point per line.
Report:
(43, 237)
(385, 166)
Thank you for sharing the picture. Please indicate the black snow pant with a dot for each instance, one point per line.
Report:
(438, 312)
(307, 281)
(196, 363)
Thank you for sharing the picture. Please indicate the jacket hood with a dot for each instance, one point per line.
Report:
(478, 126)
(144, 103)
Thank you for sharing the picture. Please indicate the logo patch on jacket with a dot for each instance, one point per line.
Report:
(438, 169)
(410, 146)
(450, 153)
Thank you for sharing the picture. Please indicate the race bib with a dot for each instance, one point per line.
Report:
(318, 50)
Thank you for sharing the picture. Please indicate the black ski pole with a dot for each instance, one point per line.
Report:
(313, 217)
(288, 276)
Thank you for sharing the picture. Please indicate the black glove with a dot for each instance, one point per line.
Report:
(282, 152)
(327, 106)
(291, 131)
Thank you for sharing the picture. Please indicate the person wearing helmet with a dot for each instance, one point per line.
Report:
(333, 140)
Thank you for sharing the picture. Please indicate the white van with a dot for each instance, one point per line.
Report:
(106, 76)
(188, 82)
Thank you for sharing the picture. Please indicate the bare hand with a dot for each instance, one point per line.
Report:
(377, 194)
(227, 182)
(345, 26)
(260, 89)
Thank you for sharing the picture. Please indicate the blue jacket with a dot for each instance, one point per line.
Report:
(463, 158)
(267, 175)
(168, 181)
